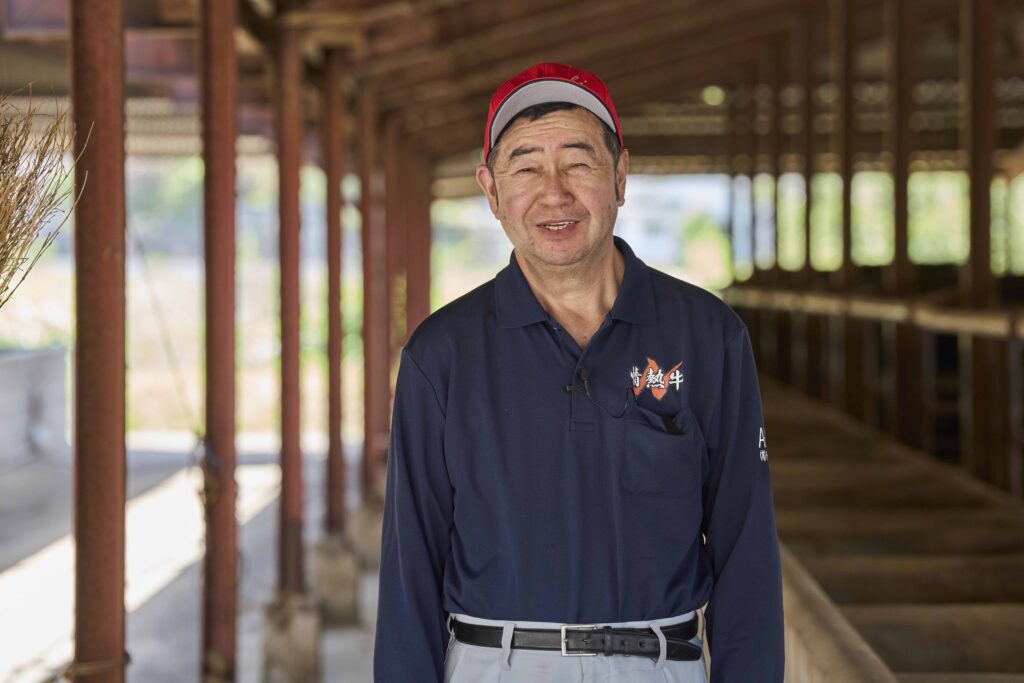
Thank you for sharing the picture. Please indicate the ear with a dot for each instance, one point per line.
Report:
(486, 182)
(621, 170)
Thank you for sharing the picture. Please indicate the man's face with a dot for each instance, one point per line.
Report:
(554, 188)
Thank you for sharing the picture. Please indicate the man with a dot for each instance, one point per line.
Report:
(577, 461)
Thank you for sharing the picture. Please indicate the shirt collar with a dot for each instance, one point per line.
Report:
(517, 306)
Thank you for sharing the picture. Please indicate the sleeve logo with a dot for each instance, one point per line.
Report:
(762, 445)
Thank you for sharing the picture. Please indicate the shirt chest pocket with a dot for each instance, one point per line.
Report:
(654, 460)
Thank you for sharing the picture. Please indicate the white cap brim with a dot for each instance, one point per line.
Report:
(548, 90)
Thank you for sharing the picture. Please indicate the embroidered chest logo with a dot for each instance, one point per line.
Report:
(762, 445)
(657, 380)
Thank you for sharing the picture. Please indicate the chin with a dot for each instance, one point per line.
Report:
(563, 258)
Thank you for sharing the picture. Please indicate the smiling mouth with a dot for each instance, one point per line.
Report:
(557, 225)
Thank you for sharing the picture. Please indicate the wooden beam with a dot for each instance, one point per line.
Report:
(516, 39)
(645, 42)
(696, 61)
(401, 44)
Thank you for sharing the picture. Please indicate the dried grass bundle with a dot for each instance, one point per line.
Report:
(34, 184)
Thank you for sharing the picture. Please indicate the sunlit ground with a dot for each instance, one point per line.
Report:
(164, 535)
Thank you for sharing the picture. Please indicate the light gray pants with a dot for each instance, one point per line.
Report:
(479, 664)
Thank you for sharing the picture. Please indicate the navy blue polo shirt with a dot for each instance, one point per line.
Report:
(518, 491)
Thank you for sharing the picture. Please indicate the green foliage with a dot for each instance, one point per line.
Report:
(872, 221)
(158, 198)
(826, 222)
(792, 205)
(1014, 211)
(764, 201)
(938, 228)
(707, 251)
(1007, 226)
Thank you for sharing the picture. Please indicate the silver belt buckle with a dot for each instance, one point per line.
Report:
(591, 627)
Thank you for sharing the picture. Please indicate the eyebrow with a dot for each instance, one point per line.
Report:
(585, 146)
(522, 151)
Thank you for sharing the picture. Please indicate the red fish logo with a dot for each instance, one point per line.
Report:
(654, 378)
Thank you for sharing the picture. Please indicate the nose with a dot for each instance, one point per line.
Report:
(555, 191)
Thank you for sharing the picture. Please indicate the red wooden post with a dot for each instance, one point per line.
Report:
(395, 201)
(335, 148)
(418, 237)
(291, 574)
(984, 454)
(97, 90)
(375, 304)
(810, 82)
(220, 564)
(977, 68)
(841, 22)
(906, 404)
(813, 375)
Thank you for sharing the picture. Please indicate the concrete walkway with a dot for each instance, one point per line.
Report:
(162, 597)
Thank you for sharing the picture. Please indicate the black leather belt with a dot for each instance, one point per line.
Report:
(578, 640)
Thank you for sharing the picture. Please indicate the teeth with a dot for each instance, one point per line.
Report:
(557, 226)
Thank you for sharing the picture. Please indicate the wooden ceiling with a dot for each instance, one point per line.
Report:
(432, 65)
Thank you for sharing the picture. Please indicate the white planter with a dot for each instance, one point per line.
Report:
(32, 400)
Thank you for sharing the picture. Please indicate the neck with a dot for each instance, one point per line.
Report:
(583, 290)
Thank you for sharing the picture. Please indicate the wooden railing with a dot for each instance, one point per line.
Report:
(996, 324)
(945, 379)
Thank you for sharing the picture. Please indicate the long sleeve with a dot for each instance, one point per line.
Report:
(744, 614)
(412, 635)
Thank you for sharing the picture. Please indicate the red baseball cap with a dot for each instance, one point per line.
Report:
(548, 83)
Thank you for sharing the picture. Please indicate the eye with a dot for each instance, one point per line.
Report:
(528, 169)
(579, 164)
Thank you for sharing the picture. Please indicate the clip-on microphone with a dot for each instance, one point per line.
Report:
(583, 386)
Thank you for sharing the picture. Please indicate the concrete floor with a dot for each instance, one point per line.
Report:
(163, 632)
